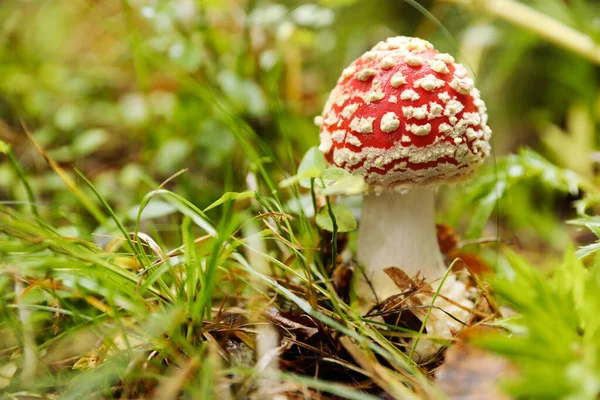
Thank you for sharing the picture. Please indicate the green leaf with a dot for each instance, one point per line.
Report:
(335, 174)
(303, 178)
(557, 329)
(230, 196)
(313, 165)
(343, 217)
(348, 185)
(509, 174)
(593, 224)
(484, 209)
(183, 205)
(586, 250)
(313, 161)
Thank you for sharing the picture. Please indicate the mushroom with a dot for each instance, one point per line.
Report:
(407, 119)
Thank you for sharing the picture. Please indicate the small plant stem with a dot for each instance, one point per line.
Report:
(313, 196)
(312, 296)
(532, 20)
(333, 234)
(23, 177)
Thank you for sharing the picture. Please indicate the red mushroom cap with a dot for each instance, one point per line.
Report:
(403, 115)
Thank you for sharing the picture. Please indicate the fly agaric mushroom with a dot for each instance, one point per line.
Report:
(408, 119)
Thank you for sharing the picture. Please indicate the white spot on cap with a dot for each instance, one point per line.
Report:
(331, 119)
(355, 124)
(419, 130)
(462, 85)
(389, 122)
(429, 83)
(326, 142)
(435, 110)
(460, 71)
(438, 66)
(349, 71)
(413, 60)
(373, 95)
(419, 45)
(405, 138)
(446, 129)
(472, 134)
(415, 112)
(458, 140)
(461, 127)
(369, 55)
(318, 120)
(393, 99)
(462, 150)
(445, 57)
(487, 133)
(471, 118)
(338, 135)
(349, 110)
(365, 74)
(342, 98)
(381, 46)
(353, 140)
(362, 124)
(387, 62)
(397, 79)
(396, 42)
(444, 96)
(453, 107)
(409, 94)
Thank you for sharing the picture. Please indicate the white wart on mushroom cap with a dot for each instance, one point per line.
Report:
(404, 114)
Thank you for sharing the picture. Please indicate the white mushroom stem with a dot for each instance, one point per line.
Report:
(397, 230)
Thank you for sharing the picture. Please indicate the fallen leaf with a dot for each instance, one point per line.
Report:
(407, 285)
(285, 320)
(473, 263)
(400, 278)
(446, 237)
(405, 309)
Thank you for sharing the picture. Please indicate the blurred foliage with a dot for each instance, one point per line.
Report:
(132, 92)
(189, 117)
(555, 335)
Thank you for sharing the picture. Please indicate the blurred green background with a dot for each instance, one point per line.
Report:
(214, 96)
(130, 92)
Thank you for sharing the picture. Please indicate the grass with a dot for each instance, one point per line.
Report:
(167, 229)
(173, 307)
(149, 319)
